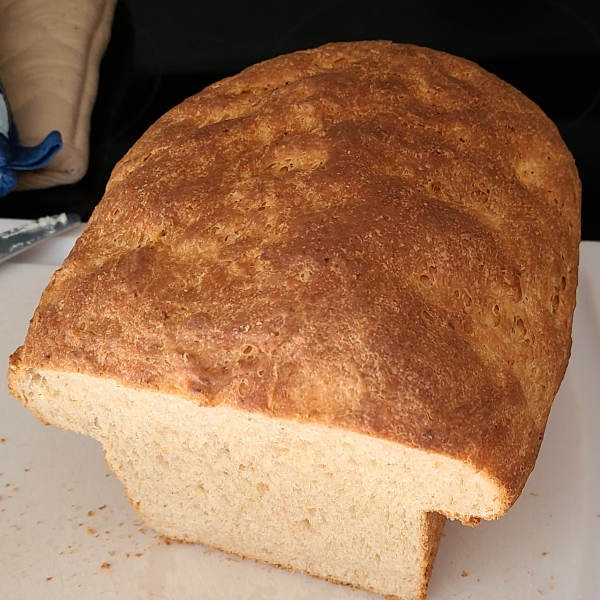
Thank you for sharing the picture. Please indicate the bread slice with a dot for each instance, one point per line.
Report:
(323, 306)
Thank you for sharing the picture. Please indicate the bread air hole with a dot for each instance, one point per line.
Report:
(518, 329)
(262, 489)
(305, 275)
(425, 281)
(427, 318)
(297, 163)
(492, 318)
(466, 300)
(480, 196)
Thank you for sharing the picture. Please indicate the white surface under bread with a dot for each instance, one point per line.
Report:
(67, 531)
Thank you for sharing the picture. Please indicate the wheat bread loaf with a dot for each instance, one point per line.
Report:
(323, 306)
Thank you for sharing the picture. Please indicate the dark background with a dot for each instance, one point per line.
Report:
(161, 52)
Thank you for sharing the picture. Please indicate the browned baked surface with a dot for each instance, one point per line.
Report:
(372, 236)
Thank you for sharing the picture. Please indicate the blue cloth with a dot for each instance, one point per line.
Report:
(13, 156)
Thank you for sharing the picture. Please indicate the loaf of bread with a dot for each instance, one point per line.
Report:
(323, 306)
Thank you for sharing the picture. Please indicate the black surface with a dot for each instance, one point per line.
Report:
(160, 53)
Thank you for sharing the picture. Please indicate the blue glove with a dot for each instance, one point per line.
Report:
(13, 156)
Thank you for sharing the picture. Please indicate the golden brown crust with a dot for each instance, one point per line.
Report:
(369, 235)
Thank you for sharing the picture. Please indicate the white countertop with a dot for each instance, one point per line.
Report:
(67, 531)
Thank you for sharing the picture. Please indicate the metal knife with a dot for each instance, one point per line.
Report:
(24, 237)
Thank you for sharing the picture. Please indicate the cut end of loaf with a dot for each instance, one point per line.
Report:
(335, 504)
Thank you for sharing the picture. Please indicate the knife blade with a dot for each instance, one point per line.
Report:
(22, 238)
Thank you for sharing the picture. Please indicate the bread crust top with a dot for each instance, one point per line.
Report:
(367, 235)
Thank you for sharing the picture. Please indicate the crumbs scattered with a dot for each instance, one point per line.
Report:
(540, 592)
(533, 494)
(102, 507)
(551, 587)
(90, 531)
(544, 553)
(90, 513)
(112, 552)
(478, 580)
(48, 578)
(2, 440)
(127, 554)
(105, 565)
(464, 574)
(138, 554)
(39, 522)
(26, 470)
(107, 475)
